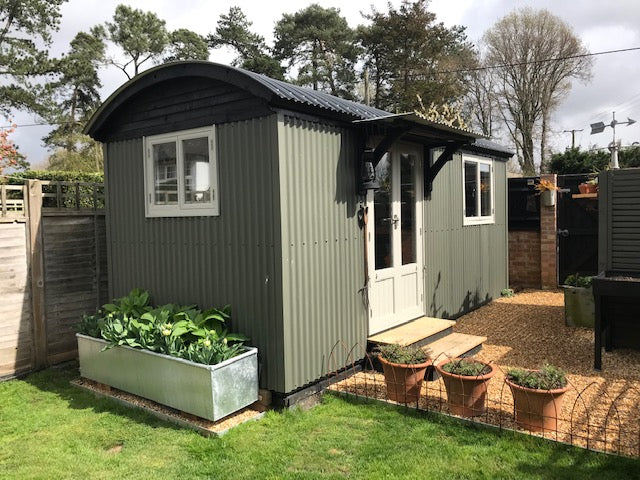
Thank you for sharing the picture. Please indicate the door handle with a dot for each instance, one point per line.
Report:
(563, 233)
(394, 220)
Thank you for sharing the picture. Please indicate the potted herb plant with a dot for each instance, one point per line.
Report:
(579, 307)
(547, 191)
(466, 383)
(404, 369)
(537, 396)
(178, 356)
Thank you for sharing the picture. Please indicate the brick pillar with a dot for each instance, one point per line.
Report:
(548, 242)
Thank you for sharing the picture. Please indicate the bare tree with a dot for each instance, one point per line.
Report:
(538, 55)
(480, 103)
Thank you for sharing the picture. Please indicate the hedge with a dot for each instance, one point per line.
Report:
(18, 177)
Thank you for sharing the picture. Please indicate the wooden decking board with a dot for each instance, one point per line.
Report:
(414, 331)
(454, 345)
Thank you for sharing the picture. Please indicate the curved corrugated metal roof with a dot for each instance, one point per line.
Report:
(272, 90)
(295, 93)
(257, 84)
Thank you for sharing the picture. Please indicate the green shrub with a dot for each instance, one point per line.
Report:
(90, 325)
(65, 196)
(507, 292)
(549, 377)
(466, 368)
(177, 330)
(17, 178)
(405, 355)
(578, 281)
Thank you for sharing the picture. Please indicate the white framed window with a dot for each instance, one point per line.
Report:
(181, 174)
(478, 190)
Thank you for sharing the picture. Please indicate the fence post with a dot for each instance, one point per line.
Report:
(548, 242)
(3, 200)
(34, 190)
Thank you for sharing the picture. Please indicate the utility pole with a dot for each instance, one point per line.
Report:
(613, 146)
(573, 136)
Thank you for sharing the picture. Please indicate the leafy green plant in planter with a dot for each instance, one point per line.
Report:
(466, 382)
(219, 377)
(579, 306)
(578, 281)
(177, 330)
(404, 369)
(549, 377)
(466, 368)
(406, 355)
(537, 396)
(90, 325)
(135, 303)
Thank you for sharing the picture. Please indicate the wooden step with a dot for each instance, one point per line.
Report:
(417, 332)
(455, 345)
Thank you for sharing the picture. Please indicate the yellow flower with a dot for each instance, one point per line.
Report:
(166, 332)
(207, 343)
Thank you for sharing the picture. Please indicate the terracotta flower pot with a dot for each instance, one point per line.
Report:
(403, 381)
(466, 395)
(588, 188)
(537, 410)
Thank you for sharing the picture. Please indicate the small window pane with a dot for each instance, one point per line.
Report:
(383, 226)
(470, 189)
(408, 208)
(197, 185)
(485, 190)
(165, 172)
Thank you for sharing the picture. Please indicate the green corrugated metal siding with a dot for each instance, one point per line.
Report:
(231, 259)
(465, 265)
(322, 257)
(619, 220)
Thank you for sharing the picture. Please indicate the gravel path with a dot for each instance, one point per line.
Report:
(600, 410)
(528, 329)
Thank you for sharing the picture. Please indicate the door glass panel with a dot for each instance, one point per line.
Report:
(408, 208)
(485, 190)
(196, 170)
(470, 187)
(166, 173)
(383, 226)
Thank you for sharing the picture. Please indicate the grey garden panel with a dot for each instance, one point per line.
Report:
(208, 391)
(619, 220)
(211, 261)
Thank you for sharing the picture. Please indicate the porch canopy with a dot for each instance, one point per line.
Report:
(414, 128)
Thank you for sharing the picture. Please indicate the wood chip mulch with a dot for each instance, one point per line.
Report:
(600, 411)
(202, 425)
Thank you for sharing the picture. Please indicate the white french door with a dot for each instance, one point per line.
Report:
(395, 240)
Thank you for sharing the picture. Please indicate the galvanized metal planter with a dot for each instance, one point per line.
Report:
(579, 308)
(548, 198)
(208, 391)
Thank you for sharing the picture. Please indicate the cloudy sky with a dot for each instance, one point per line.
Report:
(602, 26)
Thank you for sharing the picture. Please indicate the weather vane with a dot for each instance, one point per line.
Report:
(613, 146)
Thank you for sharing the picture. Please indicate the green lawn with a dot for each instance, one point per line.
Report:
(49, 429)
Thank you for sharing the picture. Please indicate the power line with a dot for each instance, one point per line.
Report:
(532, 62)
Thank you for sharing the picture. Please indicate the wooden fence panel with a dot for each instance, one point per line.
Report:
(53, 268)
(16, 323)
(75, 277)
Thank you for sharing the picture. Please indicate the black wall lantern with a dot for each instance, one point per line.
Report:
(368, 179)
